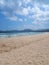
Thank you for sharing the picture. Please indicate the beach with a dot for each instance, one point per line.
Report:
(25, 50)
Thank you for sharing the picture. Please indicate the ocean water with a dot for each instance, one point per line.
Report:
(4, 35)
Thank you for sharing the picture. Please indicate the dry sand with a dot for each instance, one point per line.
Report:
(25, 50)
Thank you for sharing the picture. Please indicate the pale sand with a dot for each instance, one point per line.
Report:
(25, 50)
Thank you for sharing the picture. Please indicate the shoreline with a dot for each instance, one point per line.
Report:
(25, 50)
(24, 35)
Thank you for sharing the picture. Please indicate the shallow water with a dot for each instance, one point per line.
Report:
(2, 35)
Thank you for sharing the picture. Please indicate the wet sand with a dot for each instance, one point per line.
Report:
(25, 50)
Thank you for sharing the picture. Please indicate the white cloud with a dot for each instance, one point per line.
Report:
(19, 3)
(2, 2)
(39, 12)
(27, 1)
(40, 15)
(13, 18)
(20, 19)
(25, 11)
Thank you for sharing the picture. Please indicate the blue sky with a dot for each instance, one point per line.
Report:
(24, 14)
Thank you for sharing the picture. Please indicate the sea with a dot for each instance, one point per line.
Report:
(7, 35)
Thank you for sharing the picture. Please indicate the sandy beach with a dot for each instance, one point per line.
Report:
(25, 50)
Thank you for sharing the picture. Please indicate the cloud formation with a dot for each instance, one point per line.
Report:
(36, 11)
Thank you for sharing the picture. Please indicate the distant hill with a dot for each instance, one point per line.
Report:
(25, 30)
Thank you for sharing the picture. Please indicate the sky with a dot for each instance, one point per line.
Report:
(24, 14)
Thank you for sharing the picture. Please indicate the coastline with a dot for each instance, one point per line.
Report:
(25, 50)
(9, 35)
